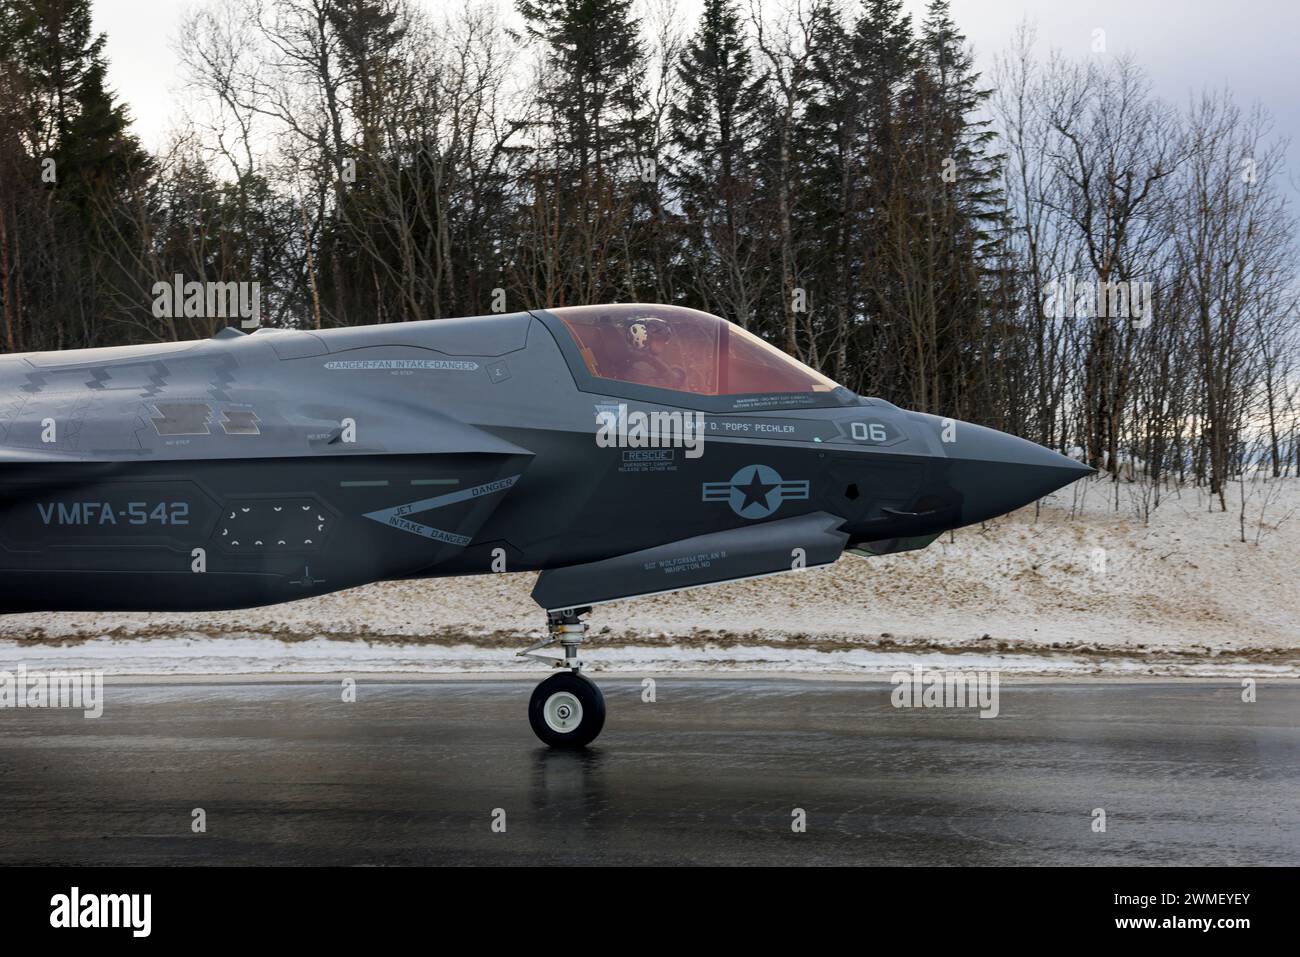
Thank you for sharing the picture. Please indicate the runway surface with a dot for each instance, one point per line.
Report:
(713, 771)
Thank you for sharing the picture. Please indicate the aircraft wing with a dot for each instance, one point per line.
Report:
(756, 550)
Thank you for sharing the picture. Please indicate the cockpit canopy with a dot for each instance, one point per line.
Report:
(671, 347)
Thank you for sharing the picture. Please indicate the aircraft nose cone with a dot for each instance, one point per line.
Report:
(996, 473)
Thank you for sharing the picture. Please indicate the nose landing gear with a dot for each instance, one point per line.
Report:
(567, 710)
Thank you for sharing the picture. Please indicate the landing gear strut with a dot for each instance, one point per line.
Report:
(567, 710)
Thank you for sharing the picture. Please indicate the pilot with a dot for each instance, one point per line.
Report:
(647, 341)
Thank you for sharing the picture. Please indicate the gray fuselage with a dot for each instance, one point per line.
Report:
(252, 469)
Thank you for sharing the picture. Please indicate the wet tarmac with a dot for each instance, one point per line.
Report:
(713, 771)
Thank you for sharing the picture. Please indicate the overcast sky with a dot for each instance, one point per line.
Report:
(1249, 45)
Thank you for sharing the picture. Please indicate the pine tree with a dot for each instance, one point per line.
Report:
(584, 216)
(70, 116)
(716, 131)
(594, 57)
(885, 57)
(368, 32)
(941, 220)
(833, 172)
(974, 207)
(848, 160)
(77, 139)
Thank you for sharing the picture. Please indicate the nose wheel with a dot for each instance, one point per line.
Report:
(567, 710)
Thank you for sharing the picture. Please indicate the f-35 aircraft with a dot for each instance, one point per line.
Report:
(619, 450)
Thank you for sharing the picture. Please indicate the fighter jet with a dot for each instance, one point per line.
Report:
(619, 451)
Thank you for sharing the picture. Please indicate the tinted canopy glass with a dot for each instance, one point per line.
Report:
(670, 347)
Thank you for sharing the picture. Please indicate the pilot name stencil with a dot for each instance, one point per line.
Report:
(686, 563)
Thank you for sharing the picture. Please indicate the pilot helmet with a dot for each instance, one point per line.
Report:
(643, 330)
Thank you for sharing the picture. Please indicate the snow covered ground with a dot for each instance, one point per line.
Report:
(1072, 586)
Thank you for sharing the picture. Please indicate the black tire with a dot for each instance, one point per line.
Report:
(580, 689)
